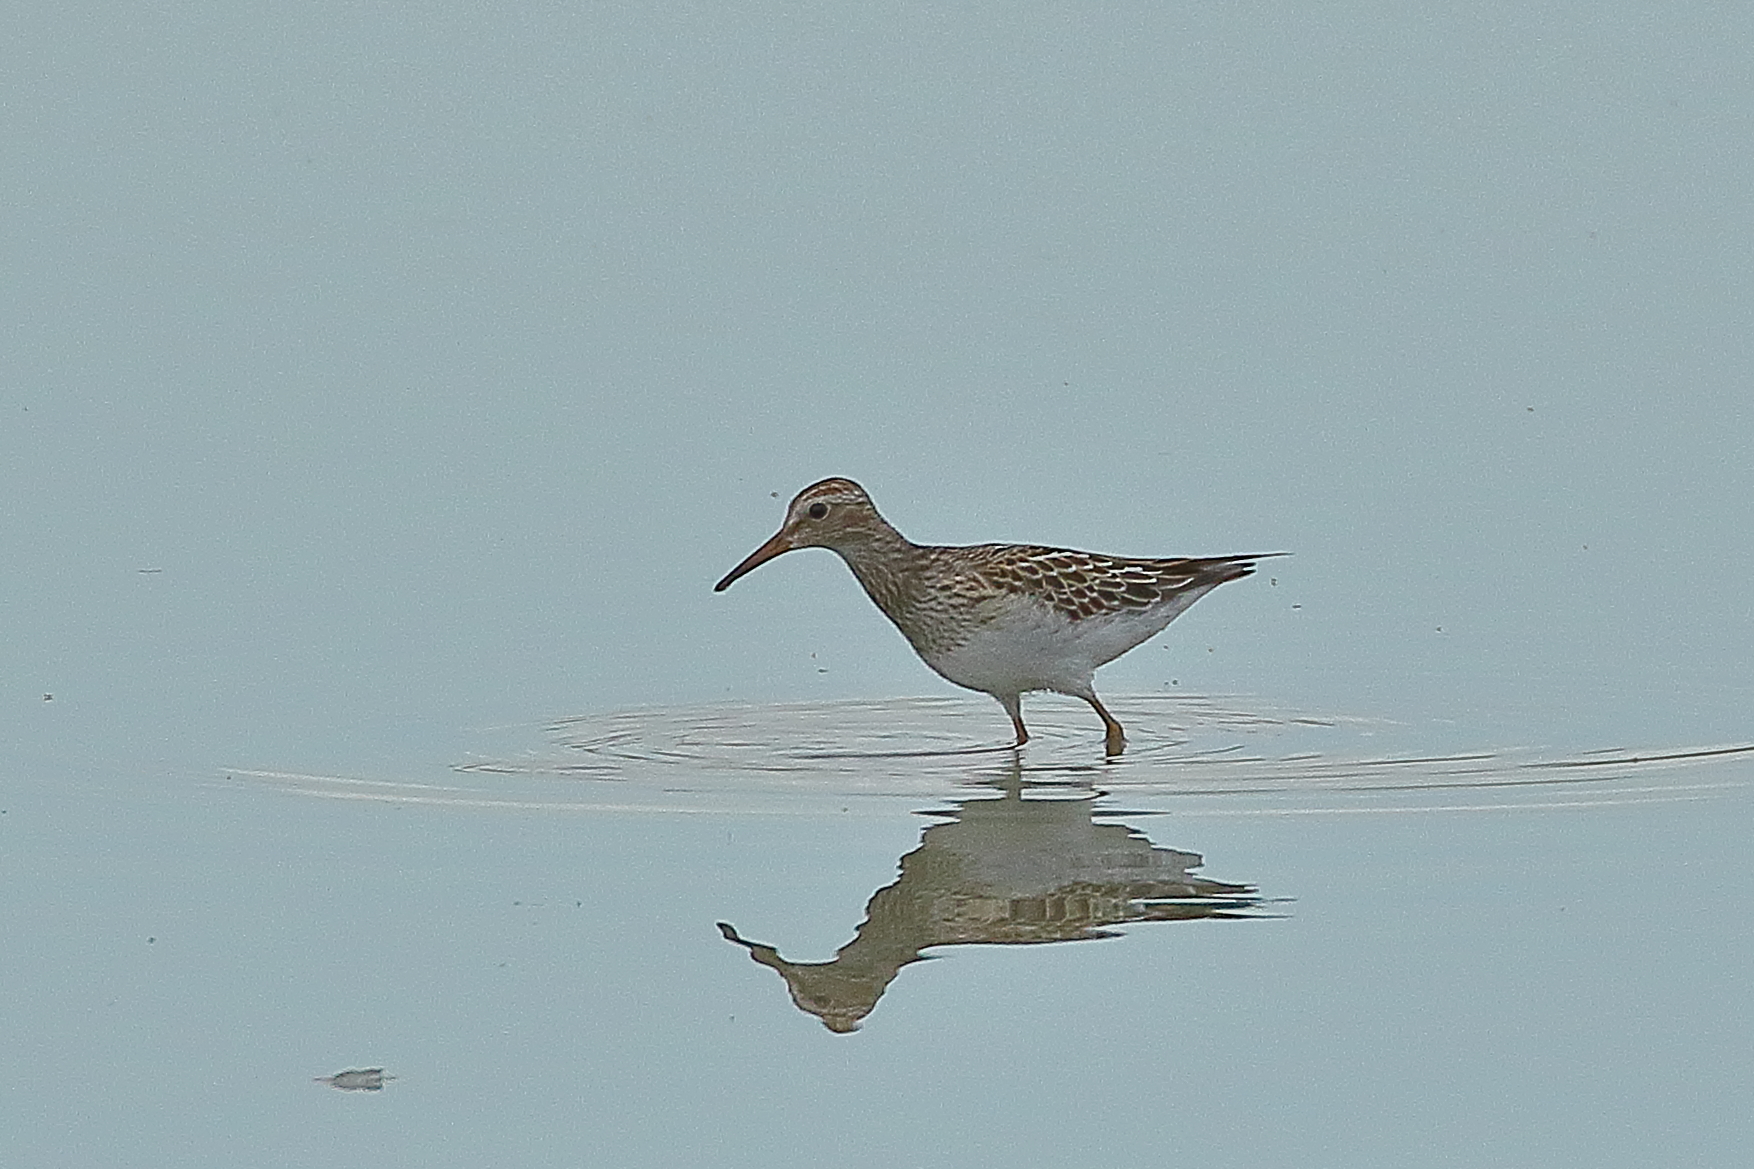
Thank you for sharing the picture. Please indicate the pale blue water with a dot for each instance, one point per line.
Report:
(382, 392)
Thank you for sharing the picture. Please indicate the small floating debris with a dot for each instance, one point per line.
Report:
(357, 1080)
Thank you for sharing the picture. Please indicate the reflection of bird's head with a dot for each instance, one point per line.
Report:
(839, 996)
(841, 1025)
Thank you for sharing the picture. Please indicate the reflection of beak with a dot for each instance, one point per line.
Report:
(756, 559)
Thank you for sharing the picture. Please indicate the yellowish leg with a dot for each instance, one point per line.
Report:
(1014, 707)
(1116, 740)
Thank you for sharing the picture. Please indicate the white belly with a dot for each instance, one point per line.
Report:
(1029, 646)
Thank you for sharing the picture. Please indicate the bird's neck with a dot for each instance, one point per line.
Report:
(886, 564)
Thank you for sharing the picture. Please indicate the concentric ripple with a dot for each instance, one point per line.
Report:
(1193, 754)
(902, 738)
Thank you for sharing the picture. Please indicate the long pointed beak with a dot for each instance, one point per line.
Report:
(756, 559)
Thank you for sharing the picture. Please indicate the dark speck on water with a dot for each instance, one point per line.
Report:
(357, 1080)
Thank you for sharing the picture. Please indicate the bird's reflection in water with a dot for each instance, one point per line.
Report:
(1005, 871)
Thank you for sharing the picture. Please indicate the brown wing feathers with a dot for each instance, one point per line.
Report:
(1083, 584)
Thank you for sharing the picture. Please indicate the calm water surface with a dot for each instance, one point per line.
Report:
(1258, 932)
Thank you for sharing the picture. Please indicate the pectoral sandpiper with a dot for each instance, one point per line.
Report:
(1000, 618)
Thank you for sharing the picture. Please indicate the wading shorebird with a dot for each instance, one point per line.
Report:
(1003, 619)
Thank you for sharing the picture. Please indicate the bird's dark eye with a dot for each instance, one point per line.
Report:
(818, 510)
